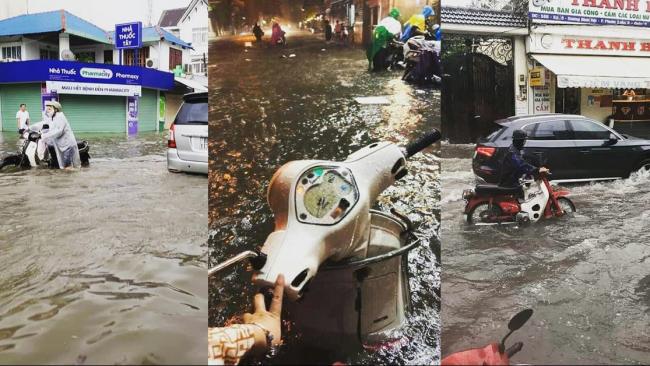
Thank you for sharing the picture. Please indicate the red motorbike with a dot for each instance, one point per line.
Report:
(490, 204)
(493, 353)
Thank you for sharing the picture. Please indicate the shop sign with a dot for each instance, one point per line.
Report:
(541, 100)
(132, 115)
(65, 87)
(588, 45)
(128, 35)
(69, 71)
(537, 76)
(603, 12)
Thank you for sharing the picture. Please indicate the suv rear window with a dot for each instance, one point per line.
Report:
(192, 112)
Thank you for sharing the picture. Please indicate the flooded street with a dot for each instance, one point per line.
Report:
(269, 106)
(104, 265)
(586, 277)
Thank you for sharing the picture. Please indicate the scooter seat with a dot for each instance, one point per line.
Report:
(493, 189)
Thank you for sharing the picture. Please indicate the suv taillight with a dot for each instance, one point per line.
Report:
(485, 151)
(171, 143)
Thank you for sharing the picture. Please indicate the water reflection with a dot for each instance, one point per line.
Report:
(104, 265)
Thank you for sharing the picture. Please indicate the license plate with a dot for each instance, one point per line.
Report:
(201, 143)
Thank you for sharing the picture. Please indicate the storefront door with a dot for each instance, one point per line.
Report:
(567, 100)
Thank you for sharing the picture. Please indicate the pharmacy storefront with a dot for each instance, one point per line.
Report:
(597, 66)
(94, 97)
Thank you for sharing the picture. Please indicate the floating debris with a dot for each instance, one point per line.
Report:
(372, 100)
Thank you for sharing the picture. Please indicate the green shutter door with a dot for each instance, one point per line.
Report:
(94, 113)
(148, 110)
(11, 96)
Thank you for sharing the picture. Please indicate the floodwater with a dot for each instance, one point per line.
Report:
(268, 108)
(103, 265)
(586, 277)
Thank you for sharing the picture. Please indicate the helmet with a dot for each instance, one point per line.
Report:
(394, 12)
(428, 11)
(56, 105)
(519, 138)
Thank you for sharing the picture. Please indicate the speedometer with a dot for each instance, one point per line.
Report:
(325, 194)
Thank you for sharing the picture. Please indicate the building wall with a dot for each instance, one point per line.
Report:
(196, 18)
(172, 104)
(593, 109)
(32, 49)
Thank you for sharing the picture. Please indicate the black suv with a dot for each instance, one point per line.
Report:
(573, 147)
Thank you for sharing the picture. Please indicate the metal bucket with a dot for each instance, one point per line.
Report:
(360, 301)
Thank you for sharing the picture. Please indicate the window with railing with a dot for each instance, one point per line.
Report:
(198, 68)
(11, 53)
(199, 36)
(128, 57)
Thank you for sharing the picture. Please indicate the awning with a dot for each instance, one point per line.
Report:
(599, 72)
(192, 84)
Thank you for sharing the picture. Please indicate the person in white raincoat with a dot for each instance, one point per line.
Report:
(391, 23)
(59, 135)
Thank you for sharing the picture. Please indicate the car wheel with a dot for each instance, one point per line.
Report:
(643, 166)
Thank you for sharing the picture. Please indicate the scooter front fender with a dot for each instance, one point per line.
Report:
(488, 355)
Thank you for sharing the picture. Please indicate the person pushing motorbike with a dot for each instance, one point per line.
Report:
(59, 135)
(513, 165)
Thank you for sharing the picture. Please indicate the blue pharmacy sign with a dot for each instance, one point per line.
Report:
(128, 35)
(78, 72)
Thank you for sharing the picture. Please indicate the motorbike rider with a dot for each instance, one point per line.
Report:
(258, 32)
(513, 165)
(419, 24)
(387, 29)
(59, 135)
(277, 34)
(260, 332)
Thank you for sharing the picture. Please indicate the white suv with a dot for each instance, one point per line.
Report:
(188, 136)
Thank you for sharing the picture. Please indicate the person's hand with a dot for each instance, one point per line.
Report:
(269, 320)
(543, 170)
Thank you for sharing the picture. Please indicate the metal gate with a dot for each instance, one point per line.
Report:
(478, 86)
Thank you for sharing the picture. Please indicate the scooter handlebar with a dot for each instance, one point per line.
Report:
(418, 145)
(512, 350)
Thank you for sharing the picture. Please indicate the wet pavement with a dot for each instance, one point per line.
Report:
(103, 265)
(269, 107)
(586, 277)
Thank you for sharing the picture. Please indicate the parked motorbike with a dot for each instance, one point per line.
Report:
(422, 59)
(490, 204)
(389, 58)
(340, 257)
(30, 156)
(493, 353)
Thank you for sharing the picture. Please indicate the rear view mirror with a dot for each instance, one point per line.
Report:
(520, 319)
(612, 139)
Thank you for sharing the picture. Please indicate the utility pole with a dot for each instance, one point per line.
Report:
(149, 12)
